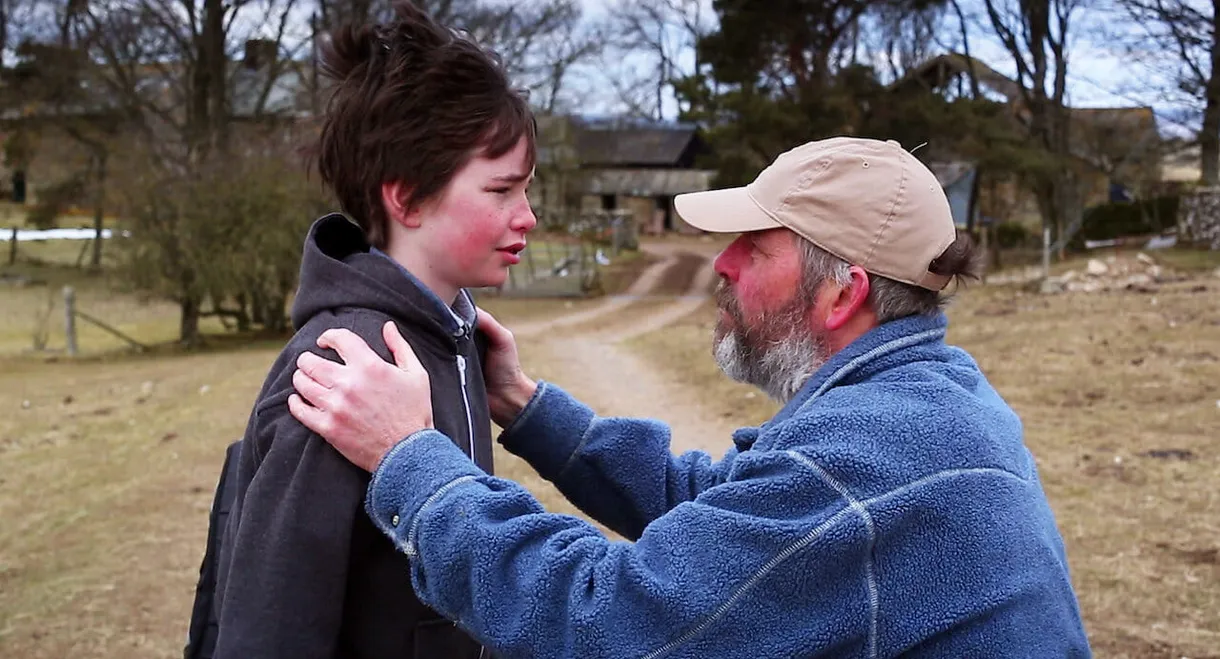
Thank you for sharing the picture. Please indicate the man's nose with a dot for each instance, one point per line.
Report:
(728, 262)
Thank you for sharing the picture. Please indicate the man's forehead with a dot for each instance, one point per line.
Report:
(776, 236)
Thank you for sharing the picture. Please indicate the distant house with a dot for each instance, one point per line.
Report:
(1117, 151)
(263, 91)
(1181, 166)
(620, 164)
(958, 179)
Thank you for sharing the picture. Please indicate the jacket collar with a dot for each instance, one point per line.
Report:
(878, 342)
(458, 319)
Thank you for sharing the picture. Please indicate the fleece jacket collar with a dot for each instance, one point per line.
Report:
(881, 341)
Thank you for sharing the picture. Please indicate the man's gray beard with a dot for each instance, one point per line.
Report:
(779, 367)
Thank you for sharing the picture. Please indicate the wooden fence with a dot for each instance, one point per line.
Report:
(570, 265)
(71, 314)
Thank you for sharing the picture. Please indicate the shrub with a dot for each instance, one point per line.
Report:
(53, 200)
(1129, 218)
(1014, 235)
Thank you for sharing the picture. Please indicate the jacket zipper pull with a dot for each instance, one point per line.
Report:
(461, 364)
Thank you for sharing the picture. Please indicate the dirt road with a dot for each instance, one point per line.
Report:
(583, 351)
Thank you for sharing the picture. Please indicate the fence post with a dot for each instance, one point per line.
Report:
(70, 319)
(1046, 252)
(985, 247)
(530, 272)
(12, 247)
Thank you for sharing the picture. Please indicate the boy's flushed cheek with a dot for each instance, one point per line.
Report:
(464, 251)
(472, 244)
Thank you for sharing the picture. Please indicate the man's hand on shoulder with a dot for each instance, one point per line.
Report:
(508, 388)
(365, 405)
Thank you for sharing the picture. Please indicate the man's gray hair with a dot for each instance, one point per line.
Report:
(889, 299)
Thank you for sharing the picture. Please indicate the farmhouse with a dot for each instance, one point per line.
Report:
(1116, 151)
(617, 164)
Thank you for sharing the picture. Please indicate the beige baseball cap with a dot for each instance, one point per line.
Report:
(869, 202)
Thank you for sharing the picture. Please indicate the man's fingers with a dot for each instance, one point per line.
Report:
(497, 333)
(319, 369)
(351, 348)
(309, 416)
(404, 355)
(309, 389)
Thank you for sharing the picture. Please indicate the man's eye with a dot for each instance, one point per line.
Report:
(500, 190)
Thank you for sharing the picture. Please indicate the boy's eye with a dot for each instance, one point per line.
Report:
(500, 190)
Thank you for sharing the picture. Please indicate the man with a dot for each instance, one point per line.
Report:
(889, 509)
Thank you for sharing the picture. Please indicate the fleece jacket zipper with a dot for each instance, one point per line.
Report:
(461, 365)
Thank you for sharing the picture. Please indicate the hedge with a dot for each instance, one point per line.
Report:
(1128, 218)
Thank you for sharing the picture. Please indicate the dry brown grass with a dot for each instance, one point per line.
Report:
(107, 470)
(105, 481)
(105, 491)
(1121, 404)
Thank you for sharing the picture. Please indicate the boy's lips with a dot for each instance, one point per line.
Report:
(512, 253)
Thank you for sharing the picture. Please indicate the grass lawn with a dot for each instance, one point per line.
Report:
(1193, 260)
(1120, 400)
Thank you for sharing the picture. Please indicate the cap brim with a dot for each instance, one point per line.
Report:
(730, 210)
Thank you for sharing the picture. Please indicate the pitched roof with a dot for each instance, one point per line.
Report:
(617, 143)
(1107, 138)
(648, 182)
(938, 70)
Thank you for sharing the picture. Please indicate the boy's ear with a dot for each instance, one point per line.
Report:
(396, 197)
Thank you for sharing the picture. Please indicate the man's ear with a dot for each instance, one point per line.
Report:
(849, 300)
(396, 198)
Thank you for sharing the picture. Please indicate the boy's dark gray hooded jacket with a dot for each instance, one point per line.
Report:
(303, 571)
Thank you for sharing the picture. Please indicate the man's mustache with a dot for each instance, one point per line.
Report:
(726, 300)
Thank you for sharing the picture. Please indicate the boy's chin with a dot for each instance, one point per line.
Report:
(489, 280)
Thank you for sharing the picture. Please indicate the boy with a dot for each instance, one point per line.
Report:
(429, 151)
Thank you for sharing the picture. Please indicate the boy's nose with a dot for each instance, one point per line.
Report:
(525, 220)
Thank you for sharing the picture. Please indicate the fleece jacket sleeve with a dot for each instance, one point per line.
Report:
(766, 565)
(618, 471)
(287, 573)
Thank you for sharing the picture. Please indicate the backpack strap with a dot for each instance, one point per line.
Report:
(204, 627)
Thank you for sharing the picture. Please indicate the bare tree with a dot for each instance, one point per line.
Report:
(574, 42)
(167, 68)
(6, 13)
(661, 34)
(1182, 35)
(1036, 35)
(901, 36)
(539, 41)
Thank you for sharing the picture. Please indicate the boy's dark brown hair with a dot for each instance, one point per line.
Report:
(411, 101)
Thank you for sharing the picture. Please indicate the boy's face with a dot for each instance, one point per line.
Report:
(475, 228)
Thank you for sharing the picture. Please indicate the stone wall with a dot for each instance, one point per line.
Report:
(1199, 218)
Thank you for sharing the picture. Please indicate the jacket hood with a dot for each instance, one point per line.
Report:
(338, 271)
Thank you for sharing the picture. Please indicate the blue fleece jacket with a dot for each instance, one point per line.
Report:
(890, 509)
